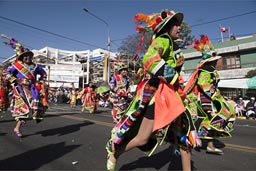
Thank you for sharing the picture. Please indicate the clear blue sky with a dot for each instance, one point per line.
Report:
(67, 18)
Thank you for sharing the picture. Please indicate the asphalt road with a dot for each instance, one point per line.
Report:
(70, 140)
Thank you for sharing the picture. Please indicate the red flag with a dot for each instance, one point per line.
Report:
(223, 29)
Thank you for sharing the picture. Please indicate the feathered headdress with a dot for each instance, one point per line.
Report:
(118, 65)
(205, 46)
(154, 22)
(20, 50)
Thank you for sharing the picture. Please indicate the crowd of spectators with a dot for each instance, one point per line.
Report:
(244, 107)
(62, 95)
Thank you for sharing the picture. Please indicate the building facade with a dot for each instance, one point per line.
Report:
(78, 67)
(238, 58)
(81, 67)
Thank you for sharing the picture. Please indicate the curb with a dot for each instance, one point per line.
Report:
(243, 117)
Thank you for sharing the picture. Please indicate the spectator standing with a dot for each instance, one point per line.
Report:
(250, 108)
(73, 96)
(240, 107)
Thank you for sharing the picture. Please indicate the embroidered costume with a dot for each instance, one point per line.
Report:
(119, 86)
(213, 115)
(73, 96)
(26, 97)
(154, 98)
(89, 99)
(5, 88)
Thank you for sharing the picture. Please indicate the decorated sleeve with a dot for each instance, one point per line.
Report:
(112, 84)
(205, 82)
(41, 72)
(152, 60)
(11, 73)
(86, 90)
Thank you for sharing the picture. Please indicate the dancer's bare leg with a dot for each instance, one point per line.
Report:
(141, 138)
(143, 135)
(17, 127)
(210, 144)
(185, 160)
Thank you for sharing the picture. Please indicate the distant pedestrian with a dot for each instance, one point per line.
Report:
(73, 96)
(89, 100)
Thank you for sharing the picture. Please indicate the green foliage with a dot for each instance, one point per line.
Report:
(186, 38)
(130, 44)
(251, 73)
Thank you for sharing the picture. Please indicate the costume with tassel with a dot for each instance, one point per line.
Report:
(26, 97)
(213, 115)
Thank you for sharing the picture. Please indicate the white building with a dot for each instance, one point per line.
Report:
(66, 67)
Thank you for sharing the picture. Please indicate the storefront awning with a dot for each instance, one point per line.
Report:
(234, 83)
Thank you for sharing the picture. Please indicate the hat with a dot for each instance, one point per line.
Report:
(205, 46)
(156, 21)
(118, 65)
(20, 50)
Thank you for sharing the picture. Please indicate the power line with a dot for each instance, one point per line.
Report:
(209, 22)
(55, 34)
(85, 43)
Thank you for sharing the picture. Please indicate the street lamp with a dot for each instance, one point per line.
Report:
(106, 70)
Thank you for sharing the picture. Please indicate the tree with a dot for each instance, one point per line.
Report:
(130, 44)
(251, 73)
(186, 38)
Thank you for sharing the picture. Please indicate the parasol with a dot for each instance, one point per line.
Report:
(102, 89)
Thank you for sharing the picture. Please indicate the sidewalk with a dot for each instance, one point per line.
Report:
(243, 117)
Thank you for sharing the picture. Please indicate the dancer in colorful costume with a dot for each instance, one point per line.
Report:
(5, 88)
(73, 95)
(89, 99)
(157, 102)
(43, 88)
(214, 116)
(23, 75)
(119, 86)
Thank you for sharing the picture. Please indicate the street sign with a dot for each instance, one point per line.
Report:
(96, 58)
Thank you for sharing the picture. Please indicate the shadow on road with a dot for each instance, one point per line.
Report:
(217, 144)
(62, 130)
(36, 158)
(2, 133)
(157, 161)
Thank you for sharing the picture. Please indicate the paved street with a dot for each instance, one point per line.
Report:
(70, 140)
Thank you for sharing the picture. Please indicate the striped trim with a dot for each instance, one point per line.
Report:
(174, 78)
(150, 61)
(158, 66)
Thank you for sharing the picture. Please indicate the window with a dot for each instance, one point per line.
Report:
(230, 92)
(231, 61)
